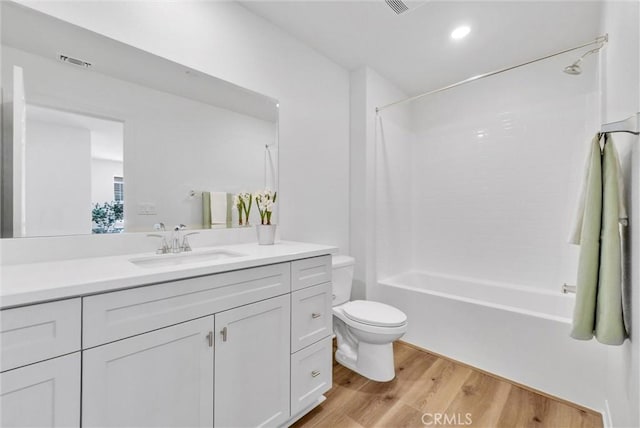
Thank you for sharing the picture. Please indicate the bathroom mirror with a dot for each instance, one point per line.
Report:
(101, 137)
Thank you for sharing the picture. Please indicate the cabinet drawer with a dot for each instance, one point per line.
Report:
(38, 332)
(311, 316)
(112, 316)
(46, 394)
(310, 374)
(308, 272)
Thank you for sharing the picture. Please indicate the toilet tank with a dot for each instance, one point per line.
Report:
(342, 267)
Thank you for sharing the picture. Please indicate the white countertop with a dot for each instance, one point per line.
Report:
(24, 284)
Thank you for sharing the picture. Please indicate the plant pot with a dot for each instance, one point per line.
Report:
(266, 233)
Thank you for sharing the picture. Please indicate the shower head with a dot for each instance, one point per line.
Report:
(574, 69)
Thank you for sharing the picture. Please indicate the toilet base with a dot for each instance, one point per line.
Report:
(373, 361)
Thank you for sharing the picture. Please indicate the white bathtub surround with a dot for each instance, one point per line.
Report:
(491, 205)
(519, 333)
(598, 308)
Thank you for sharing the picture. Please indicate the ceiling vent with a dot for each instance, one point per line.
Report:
(400, 7)
(74, 61)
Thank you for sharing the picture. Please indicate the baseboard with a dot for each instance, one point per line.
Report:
(607, 422)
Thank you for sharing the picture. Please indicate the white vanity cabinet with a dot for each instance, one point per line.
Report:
(240, 348)
(40, 361)
(252, 364)
(163, 378)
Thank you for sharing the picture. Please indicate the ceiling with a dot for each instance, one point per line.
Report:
(415, 51)
(106, 135)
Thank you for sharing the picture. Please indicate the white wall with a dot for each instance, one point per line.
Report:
(621, 98)
(102, 173)
(227, 41)
(380, 181)
(58, 180)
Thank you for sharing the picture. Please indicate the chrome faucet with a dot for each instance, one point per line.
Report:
(185, 242)
(164, 247)
(176, 246)
(178, 243)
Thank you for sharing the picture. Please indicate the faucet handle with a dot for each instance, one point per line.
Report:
(179, 227)
(159, 227)
(185, 241)
(164, 247)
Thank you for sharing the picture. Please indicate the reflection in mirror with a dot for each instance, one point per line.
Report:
(84, 114)
(72, 162)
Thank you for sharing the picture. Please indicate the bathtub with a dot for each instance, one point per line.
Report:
(519, 333)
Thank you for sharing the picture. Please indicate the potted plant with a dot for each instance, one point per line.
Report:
(237, 202)
(243, 202)
(266, 231)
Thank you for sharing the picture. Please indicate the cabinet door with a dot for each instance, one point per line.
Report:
(161, 378)
(45, 394)
(311, 315)
(252, 364)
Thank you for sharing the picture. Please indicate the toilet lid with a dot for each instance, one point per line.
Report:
(374, 313)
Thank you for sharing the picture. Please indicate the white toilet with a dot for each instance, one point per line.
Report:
(365, 330)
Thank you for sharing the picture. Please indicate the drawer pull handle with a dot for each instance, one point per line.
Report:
(316, 315)
(223, 332)
(210, 339)
(315, 373)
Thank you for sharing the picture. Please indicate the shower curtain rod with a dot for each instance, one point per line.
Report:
(598, 40)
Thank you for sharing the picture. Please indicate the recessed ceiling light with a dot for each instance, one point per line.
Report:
(460, 32)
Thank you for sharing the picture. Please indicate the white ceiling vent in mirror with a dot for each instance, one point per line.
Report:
(74, 61)
(400, 7)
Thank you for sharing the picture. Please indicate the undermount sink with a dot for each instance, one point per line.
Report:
(184, 258)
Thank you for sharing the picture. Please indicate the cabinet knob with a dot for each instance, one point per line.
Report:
(315, 373)
(316, 315)
(223, 332)
(210, 339)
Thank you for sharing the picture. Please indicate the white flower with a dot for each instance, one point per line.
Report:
(245, 196)
(269, 206)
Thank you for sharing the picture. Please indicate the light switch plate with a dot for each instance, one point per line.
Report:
(147, 208)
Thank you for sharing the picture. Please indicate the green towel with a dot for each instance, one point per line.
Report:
(587, 284)
(598, 306)
(206, 210)
(609, 322)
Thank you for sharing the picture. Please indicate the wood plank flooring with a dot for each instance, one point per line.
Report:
(427, 385)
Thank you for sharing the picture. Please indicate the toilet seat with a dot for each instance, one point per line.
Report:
(374, 313)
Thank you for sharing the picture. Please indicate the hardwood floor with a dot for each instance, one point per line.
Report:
(427, 386)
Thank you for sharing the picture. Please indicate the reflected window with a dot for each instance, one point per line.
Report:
(118, 189)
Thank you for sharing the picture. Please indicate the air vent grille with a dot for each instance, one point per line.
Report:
(398, 6)
(74, 61)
